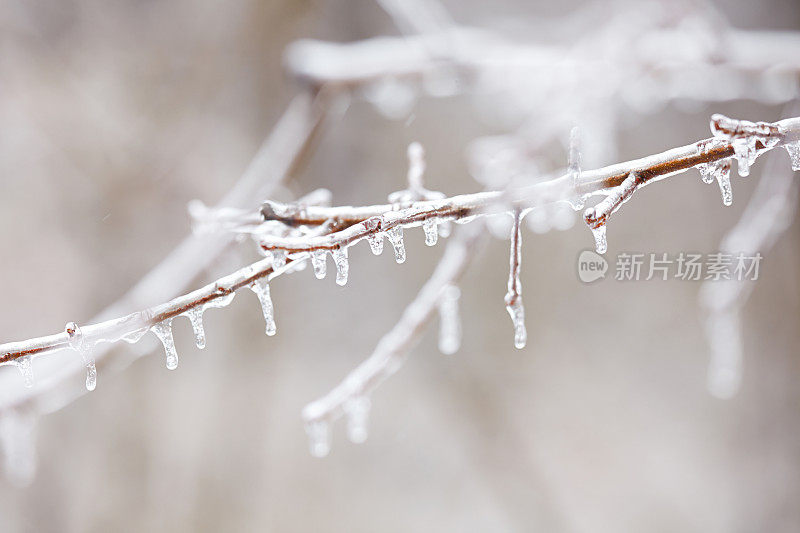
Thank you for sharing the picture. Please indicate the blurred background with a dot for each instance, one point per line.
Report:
(114, 115)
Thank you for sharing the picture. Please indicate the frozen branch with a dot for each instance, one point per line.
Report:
(371, 221)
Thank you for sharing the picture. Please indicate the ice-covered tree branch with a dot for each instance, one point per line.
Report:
(361, 223)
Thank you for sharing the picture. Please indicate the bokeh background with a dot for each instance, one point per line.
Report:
(113, 115)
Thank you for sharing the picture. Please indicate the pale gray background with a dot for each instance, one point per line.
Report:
(113, 115)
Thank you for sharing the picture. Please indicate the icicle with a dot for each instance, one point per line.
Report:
(278, 259)
(707, 172)
(195, 316)
(319, 260)
(25, 368)
(319, 438)
(17, 440)
(357, 411)
(600, 243)
(431, 231)
(261, 288)
(794, 154)
(721, 171)
(445, 229)
(396, 239)
(342, 265)
(745, 150)
(449, 322)
(163, 331)
(375, 241)
(517, 313)
(79, 344)
(514, 295)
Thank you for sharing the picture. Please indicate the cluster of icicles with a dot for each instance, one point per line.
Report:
(745, 152)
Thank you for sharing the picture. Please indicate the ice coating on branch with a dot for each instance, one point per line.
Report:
(195, 316)
(794, 154)
(342, 265)
(278, 259)
(261, 288)
(319, 438)
(719, 170)
(17, 440)
(429, 226)
(600, 241)
(163, 330)
(78, 343)
(319, 260)
(517, 312)
(449, 320)
(395, 236)
(25, 368)
(375, 241)
(222, 301)
(357, 411)
(745, 150)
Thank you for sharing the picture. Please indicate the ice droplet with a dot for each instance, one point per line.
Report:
(600, 242)
(395, 236)
(449, 321)
(163, 330)
(319, 260)
(721, 171)
(445, 229)
(517, 312)
(17, 439)
(794, 154)
(261, 288)
(357, 411)
(342, 265)
(78, 343)
(319, 438)
(745, 150)
(195, 316)
(375, 241)
(278, 259)
(25, 368)
(429, 226)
